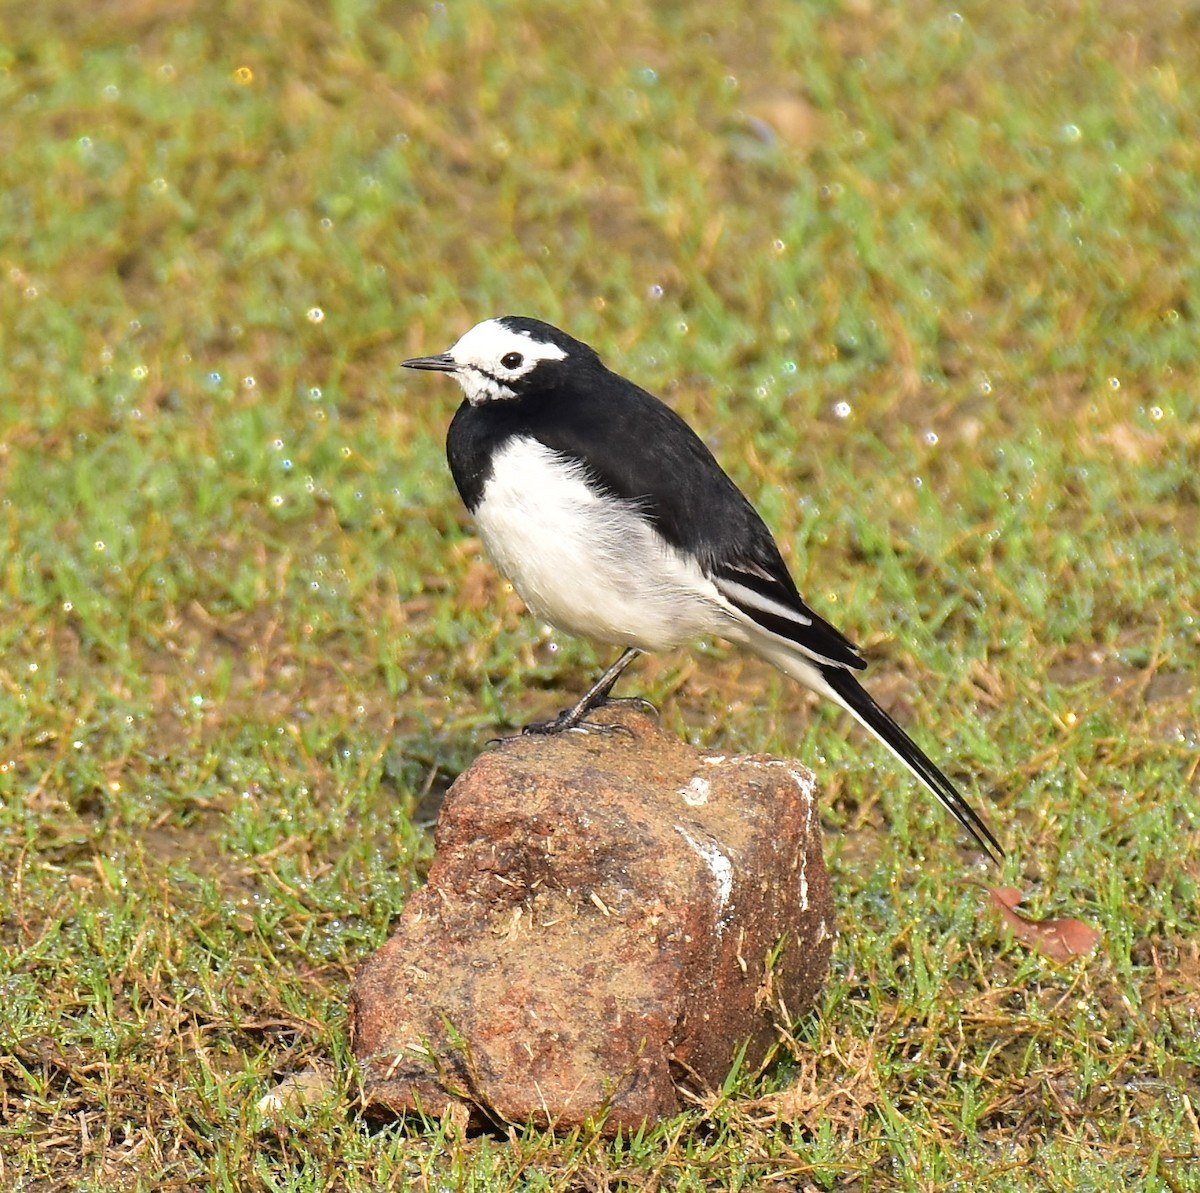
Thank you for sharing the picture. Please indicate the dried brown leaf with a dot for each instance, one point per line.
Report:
(1060, 938)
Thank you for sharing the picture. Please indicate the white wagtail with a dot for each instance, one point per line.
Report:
(613, 521)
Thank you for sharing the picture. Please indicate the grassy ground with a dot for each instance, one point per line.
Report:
(927, 281)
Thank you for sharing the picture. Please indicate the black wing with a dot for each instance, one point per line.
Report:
(638, 449)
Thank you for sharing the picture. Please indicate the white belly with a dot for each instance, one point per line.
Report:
(585, 564)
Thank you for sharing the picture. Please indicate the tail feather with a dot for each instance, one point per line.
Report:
(830, 677)
(838, 684)
(849, 693)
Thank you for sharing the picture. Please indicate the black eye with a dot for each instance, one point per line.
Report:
(512, 360)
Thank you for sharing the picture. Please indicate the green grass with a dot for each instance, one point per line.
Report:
(244, 632)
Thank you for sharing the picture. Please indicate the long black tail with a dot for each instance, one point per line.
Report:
(857, 701)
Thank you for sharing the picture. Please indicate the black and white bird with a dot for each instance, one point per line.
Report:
(613, 521)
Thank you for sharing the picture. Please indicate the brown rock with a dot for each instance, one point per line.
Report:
(603, 918)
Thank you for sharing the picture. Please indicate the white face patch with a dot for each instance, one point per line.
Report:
(490, 355)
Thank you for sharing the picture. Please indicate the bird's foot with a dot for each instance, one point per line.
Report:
(595, 697)
(573, 719)
(551, 727)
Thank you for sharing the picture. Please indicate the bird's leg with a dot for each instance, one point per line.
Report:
(594, 697)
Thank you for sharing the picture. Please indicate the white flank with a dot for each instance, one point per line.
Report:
(588, 564)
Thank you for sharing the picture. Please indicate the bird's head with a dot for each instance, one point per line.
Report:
(509, 357)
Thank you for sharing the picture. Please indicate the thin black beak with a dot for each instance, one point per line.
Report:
(444, 363)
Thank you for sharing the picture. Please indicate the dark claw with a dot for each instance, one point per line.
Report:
(639, 702)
